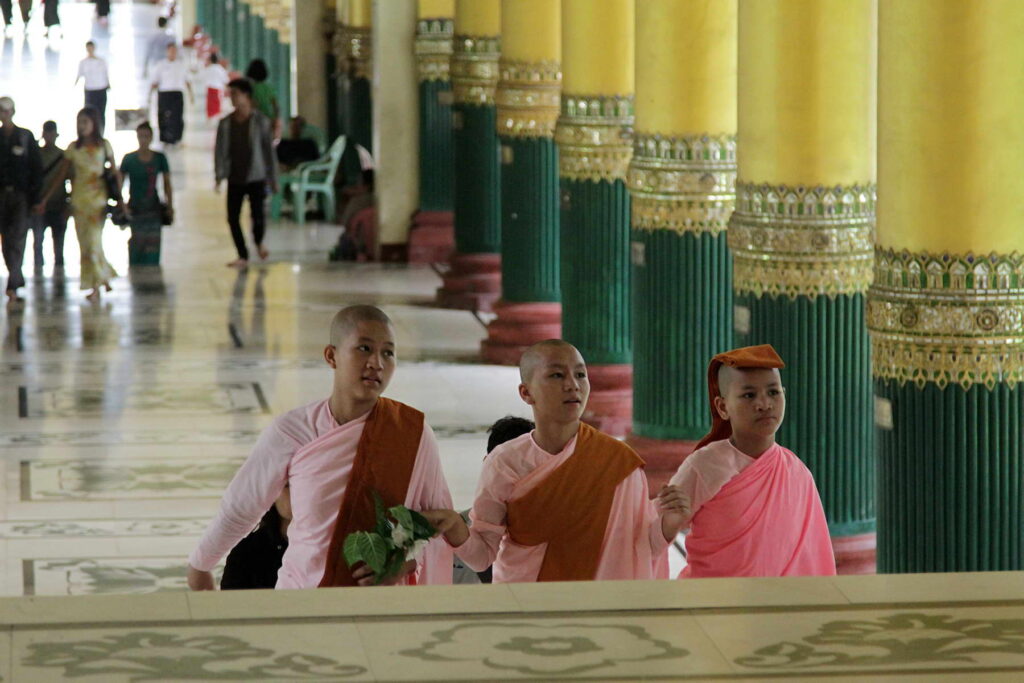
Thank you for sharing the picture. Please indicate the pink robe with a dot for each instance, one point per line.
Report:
(312, 453)
(634, 546)
(753, 517)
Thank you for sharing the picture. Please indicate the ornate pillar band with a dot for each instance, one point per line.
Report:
(947, 318)
(800, 241)
(474, 69)
(356, 55)
(434, 49)
(528, 97)
(594, 136)
(683, 184)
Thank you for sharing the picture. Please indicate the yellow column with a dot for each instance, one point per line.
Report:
(528, 104)
(946, 310)
(474, 280)
(594, 138)
(801, 237)
(682, 180)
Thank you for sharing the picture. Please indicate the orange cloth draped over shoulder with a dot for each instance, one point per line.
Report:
(763, 356)
(384, 462)
(569, 509)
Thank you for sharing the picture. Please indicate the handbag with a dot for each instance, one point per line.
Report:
(166, 214)
(116, 210)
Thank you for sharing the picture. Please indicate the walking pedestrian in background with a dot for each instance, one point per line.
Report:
(244, 156)
(93, 70)
(20, 180)
(55, 211)
(170, 81)
(142, 169)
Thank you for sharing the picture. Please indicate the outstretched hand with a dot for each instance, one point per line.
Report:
(364, 576)
(450, 524)
(199, 580)
(674, 505)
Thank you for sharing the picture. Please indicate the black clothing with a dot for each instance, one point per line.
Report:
(170, 106)
(21, 167)
(51, 15)
(236, 196)
(293, 152)
(57, 221)
(97, 99)
(255, 561)
(13, 231)
(102, 8)
(240, 151)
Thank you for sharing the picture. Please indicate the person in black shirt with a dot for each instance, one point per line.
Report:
(294, 149)
(21, 177)
(255, 561)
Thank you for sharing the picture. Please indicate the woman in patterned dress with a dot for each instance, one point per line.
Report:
(85, 158)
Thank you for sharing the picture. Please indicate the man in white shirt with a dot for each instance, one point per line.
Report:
(93, 71)
(170, 81)
(156, 49)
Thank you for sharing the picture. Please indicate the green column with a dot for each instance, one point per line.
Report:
(243, 34)
(477, 200)
(682, 278)
(594, 144)
(433, 54)
(530, 238)
(802, 265)
(949, 408)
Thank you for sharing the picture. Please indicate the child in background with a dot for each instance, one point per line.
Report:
(216, 79)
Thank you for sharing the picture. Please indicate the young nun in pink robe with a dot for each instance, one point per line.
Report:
(313, 450)
(564, 502)
(753, 508)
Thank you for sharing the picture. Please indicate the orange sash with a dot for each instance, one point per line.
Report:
(569, 510)
(384, 460)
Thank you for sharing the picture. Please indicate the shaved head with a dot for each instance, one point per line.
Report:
(536, 356)
(347, 319)
(727, 375)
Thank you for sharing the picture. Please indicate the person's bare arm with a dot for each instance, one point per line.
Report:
(674, 505)
(449, 524)
(59, 177)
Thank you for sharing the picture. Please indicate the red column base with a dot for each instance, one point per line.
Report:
(663, 458)
(432, 237)
(518, 326)
(473, 283)
(610, 407)
(855, 554)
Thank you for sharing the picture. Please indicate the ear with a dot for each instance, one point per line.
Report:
(723, 412)
(524, 393)
(330, 357)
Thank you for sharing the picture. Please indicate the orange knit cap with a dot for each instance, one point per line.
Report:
(762, 356)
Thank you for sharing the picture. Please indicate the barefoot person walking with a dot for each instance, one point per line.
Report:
(244, 156)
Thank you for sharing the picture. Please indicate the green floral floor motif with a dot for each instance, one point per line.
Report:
(905, 638)
(544, 649)
(148, 656)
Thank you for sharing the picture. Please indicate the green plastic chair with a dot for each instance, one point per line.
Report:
(314, 133)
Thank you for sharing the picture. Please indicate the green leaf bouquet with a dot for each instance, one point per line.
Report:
(399, 535)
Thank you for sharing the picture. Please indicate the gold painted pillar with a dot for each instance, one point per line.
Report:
(801, 238)
(529, 86)
(682, 181)
(432, 238)
(474, 279)
(594, 138)
(946, 310)
(355, 63)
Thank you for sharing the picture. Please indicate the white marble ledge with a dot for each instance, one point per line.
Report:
(726, 596)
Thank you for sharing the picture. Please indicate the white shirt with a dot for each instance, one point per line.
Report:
(170, 76)
(94, 71)
(216, 77)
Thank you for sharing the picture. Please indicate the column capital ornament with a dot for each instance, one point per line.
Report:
(802, 241)
(947, 318)
(354, 51)
(528, 98)
(474, 69)
(433, 48)
(594, 134)
(683, 184)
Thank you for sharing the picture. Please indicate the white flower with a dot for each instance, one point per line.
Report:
(400, 536)
(416, 550)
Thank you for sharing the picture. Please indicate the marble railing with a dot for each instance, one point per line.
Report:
(897, 626)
